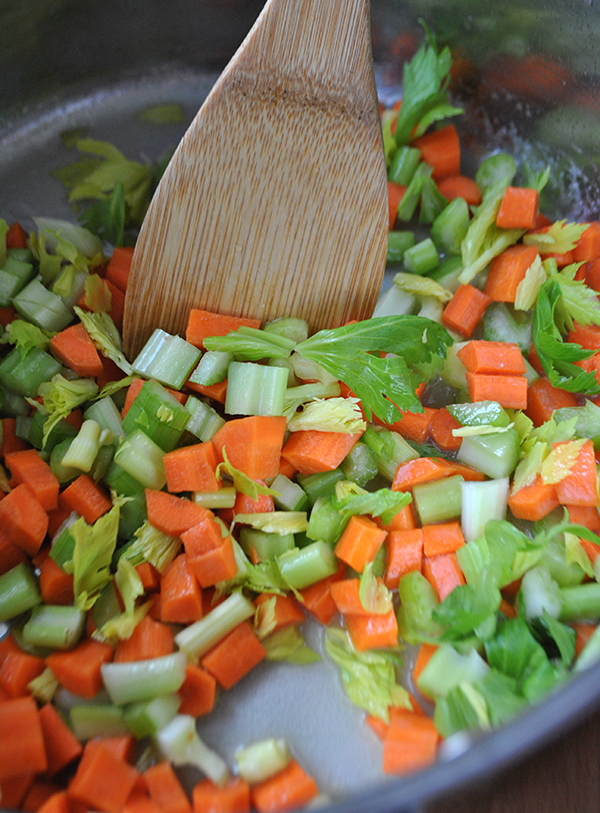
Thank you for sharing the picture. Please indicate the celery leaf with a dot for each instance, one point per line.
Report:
(244, 484)
(105, 336)
(154, 546)
(382, 503)
(559, 238)
(369, 677)
(92, 556)
(276, 522)
(61, 396)
(26, 335)
(578, 299)
(421, 286)
(98, 298)
(288, 644)
(342, 415)
(374, 595)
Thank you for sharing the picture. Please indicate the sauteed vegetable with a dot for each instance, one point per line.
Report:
(422, 485)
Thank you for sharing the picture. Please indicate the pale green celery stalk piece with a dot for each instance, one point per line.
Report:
(447, 668)
(580, 601)
(450, 226)
(102, 720)
(132, 682)
(84, 447)
(481, 502)
(263, 759)
(308, 370)
(19, 591)
(395, 302)
(267, 545)
(147, 718)
(222, 498)
(290, 496)
(179, 742)
(166, 358)
(201, 636)
(496, 455)
(204, 421)
(41, 307)
(84, 241)
(212, 368)
(140, 457)
(302, 567)
(540, 594)
(255, 389)
(105, 413)
(440, 500)
(55, 627)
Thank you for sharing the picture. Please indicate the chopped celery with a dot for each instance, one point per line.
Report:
(403, 166)
(107, 416)
(136, 681)
(179, 742)
(55, 627)
(360, 464)
(24, 374)
(266, 545)
(289, 495)
(158, 414)
(212, 368)
(255, 389)
(421, 258)
(481, 502)
(321, 484)
(101, 720)
(204, 421)
(222, 498)
(302, 567)
(142, 458)
(18, 591)
(440, 500)
(495, 455)
(201, 636)
(447, 668)
(260, 760)
(325, 521)
(290, 327)
(41, 307)
(398, 244)
(84, 447)
(166, 358)
(146, 719)
(450, 226)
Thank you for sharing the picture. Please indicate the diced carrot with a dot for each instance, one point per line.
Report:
(215, 565)
(420, 470)
(23, 519)
(466, 472)
(149, 576)
(446, 537)
(252, 444)
(62, 746)
(402, 521)
(232, 797)
(216, 392)
(38, 794)
(29, 468)
(460, 186)
(192, 468)
(139, 802)
(493, 358)
(74, 348)
(518, 208)
(395, 194)
(543, 399)
(587, 336)
(21, 739)
(56, 586)
(10, 442)
(414, 425)
(592, 276)
(311, 451)
(58, 802)
(464, 311)
(373, 631)
(180, 594)
(282, 610)
(14, 790)
(78, 669)
(121, 747)
(197, 692)
(16, 236)
(17, 670)
(102, 781)
(584, 632)
(443, 573)
(234, 656)
(404, 554)
(119, 266)
(508, 390)
(441, 150)
(507, 271)
(579, 486)
(289, 789)
(534, 501)
(117, 306)
(585, 515)
(10, 554)
(7, 315)
(317, 599)
(165, 789)
(244, 504)
(359, 542)
(202, 324)
(133, 390)
(287, 469)
(588, 247)
(410, 743)
(423, 657)
(172, 515)
(440, 431)
(204, 536)
(86, 497)
(149, 639)
(346, 595)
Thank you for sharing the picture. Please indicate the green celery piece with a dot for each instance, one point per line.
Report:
(107, 218)
(63, 430)
(23, 375)
(440, 500)
(199, 637)
(496, 455)
(42, 307)
(580, 601)
(558, 357)
(481, 413)
(290, 327)
(204, 421)
(448, 668)
(104, 411)
(350, 354)
(212, 368)
(133, 515)
(137, 681)
(255, 389)
(469, 607)
(19, 591)
(403, 166)
(398, 243)
(64, 474)
(302, 567)
(432, 203)
(450, 226)
(167, 358)
(102, 720)
(326, 522)
(289, 496)
(418, 601)
(501, 695)
(500, 324)
(421, 258)
(499, 168)
(267, 545)
(463, 709)
(482, 502)
(369, 678)
(55, 627)
(145, 719)
(320, 485)
(92, 556)
(588, 420)
(158, 414)
(142, 458)
(410, 199)
(121, 481)
(360, 465)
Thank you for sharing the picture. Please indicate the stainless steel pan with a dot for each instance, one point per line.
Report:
(530, 80)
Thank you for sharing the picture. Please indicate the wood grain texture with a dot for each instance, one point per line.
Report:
(275, 202)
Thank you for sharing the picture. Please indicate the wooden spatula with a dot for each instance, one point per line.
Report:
(275, 202)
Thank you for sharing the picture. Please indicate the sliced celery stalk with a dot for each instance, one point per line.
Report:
(321, 484)
(302, 567)
(440, 500)
(23, 375)
(398, 244)
(180, 744)
(146, 719)
(158, 414)
(168, 359)
(447, 668)
(267, 545)
(142, 458)
(222, 498)
(107, 416)
(212, 368)
(18, 591)
(450, 226)
(495, 455)
(121, 481)
(53, 626)
(201, 636)
(42, 307)
(290, 496)
(481, 502)
(581, 601)
(360, 465)
(84, 447)
(255, 389)
(260, 760)
(421, 258)
(325, 521)
(204, 420)
(101, 720)
(403, 166)
(290, 327)
(136, 681)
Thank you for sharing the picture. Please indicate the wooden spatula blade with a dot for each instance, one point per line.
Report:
(274, 204)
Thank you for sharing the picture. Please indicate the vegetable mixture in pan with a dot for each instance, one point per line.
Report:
(423, 485)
